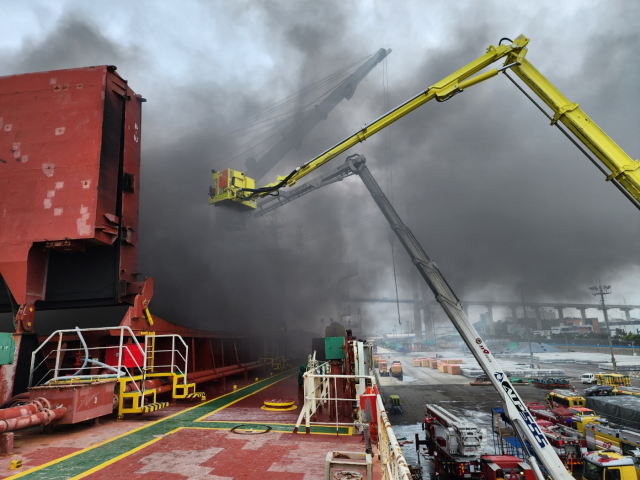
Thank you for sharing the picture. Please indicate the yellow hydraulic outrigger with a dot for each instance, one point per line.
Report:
(618, 167)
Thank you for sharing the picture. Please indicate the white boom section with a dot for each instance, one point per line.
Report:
(462, 436)
(445, 417)
(513, 405)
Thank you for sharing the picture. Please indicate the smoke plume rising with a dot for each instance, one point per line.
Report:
(500, 200)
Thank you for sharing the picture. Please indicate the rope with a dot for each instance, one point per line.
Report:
(385, 98)
(250, 432)
(395, 279)
(269, 130)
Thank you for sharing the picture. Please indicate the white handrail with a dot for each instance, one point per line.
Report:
(394, 466)
(59, 351)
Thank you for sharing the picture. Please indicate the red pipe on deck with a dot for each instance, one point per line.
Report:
(163, 385)
(20, 411)
(193, 376)
(208, 375)
(45, 417)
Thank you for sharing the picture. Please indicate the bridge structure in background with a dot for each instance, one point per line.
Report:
(426, 305)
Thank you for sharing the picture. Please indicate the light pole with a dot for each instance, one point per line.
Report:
(524, 314)
(602, 291)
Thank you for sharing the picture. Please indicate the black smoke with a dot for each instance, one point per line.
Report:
(500, 200)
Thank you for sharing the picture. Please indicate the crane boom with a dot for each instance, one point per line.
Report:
(513, 404)
(622, 169)
(270, 203)
(293, 138)
(236, 187)
(619, 168)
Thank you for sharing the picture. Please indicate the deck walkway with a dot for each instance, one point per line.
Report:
(196, 443)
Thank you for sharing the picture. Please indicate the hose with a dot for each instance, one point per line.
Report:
(256, 191)
(86, 352)
(103, 365)
(16, 398)
(251, 432)
(505, 38)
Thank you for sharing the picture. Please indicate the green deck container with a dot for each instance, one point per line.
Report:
(334, 348)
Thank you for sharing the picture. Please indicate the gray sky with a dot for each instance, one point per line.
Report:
(500, 200)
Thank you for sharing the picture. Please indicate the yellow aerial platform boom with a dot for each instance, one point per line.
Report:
(618, 167)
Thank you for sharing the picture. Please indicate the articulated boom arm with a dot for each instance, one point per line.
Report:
(619, 168)
(513, 404)
(241, 190)
(270, 203)
(622, 170)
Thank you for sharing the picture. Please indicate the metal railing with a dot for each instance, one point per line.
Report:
(317, 394)
(177, 355)
(134, 354)
(320, 380)
(59, 372)
(392, 461)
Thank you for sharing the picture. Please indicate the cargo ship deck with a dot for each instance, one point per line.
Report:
(191, 440)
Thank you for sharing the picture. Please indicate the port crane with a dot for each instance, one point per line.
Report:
(257, 169)
(233, 187)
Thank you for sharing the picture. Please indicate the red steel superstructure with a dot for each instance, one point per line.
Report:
(70, 176)
(69, 201)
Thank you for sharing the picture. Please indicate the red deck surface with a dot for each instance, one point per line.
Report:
(195, 451)
(218, 454)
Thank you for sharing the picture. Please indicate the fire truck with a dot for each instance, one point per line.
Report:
(457, 447)
(560, 415)
(456, 444)
(505, 467)
(569, 444)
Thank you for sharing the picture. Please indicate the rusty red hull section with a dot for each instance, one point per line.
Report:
(69, 183)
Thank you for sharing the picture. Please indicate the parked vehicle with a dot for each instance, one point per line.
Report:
(599, 390)
(382, 368)
(588, 378)
(481, 380)
(565, 398)
(455, 443)
(396, 369)
(609, 466)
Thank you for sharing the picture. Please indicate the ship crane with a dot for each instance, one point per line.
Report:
(235, 188)
(256, 169)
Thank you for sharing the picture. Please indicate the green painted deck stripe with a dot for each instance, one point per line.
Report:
(92, 457)
(275, 427)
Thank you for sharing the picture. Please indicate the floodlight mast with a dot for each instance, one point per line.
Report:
(602, 290)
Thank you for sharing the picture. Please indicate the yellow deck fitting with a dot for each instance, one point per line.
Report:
(199, 395)
(279, 404)
(152, 407)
